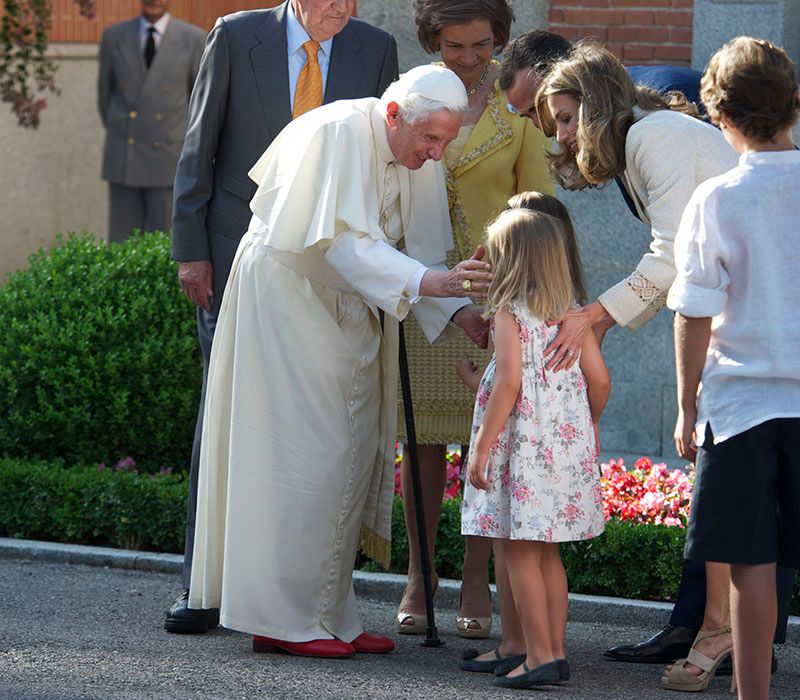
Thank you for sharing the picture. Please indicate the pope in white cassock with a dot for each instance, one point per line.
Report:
(297, 457)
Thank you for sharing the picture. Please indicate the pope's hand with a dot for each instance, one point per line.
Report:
(470, 319)
(196, 279)
(470, 278)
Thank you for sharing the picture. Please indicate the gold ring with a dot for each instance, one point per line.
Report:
(467, 285)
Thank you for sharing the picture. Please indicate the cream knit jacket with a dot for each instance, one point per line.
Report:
(667, 155)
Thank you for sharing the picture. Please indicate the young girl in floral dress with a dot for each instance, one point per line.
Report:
(532, 476)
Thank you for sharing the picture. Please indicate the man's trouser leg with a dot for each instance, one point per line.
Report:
(157, 208)
(125, 211)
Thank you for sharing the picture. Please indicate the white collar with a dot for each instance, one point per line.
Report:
(296, 35)
(769, 157)
(160, 24)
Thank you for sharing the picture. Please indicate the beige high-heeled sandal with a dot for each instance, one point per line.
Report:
(678, 677)
(413, 623)
(410, 623)
(474, 627)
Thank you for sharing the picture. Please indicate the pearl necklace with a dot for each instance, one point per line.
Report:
(482, 80)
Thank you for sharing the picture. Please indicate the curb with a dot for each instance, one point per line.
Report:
(377, 586)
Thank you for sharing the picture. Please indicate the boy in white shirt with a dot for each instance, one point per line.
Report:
(737, 298)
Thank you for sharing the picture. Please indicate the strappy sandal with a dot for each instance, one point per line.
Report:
(678, 677)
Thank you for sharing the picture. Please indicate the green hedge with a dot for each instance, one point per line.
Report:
(84, 505)
(98, 356)
(121, 508)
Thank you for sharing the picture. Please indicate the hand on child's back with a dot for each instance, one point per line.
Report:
(467, 371)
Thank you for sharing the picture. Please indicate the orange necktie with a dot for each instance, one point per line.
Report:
(308, 93)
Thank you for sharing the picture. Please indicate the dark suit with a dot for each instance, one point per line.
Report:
(691, 601)
(239, 105)
(144, 112)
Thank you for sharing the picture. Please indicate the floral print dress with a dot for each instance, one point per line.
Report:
(544, 480)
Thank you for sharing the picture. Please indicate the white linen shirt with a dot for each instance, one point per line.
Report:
(737, 254)
(296, 36)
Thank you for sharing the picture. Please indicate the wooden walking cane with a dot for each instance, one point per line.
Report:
(431, 635)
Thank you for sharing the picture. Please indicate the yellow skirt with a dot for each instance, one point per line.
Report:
(442, 403)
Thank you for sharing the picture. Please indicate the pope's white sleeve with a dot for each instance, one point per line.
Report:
(380, 273)
(434, 314)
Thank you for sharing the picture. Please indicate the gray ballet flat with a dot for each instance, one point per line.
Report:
(468, 661)
(544, 674)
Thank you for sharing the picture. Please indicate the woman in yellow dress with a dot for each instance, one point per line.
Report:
(495, 156)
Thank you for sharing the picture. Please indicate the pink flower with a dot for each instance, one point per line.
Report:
(523, 406)
(524, 333)
(571, 511)
(506, 476)
(548, 534)
(520, 492)
(548, 455)
(485, 523)
(483, 396)
(567, 431)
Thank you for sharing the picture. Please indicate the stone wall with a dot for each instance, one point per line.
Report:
(50, 177)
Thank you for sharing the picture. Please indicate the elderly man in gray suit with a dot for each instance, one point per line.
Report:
(259, 69)
(147, 69)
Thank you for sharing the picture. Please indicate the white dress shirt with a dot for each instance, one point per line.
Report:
(296, 36)
(158, 35)
(737, 254)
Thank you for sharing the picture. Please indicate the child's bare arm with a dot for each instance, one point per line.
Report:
(508, 379)
(598, 380)
(692, 336)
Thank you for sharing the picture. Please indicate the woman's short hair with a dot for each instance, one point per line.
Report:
(527, 250)
(547, 204)
(596, 78)
(754, 83)
(431, 16)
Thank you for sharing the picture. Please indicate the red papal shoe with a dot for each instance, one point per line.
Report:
(319, 648)
(367, 643)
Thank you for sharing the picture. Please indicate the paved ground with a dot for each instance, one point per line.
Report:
(74, 631)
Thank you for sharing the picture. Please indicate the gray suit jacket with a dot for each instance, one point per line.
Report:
(145, 111)
(239, 105)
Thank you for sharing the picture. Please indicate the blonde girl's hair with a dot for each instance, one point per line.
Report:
(547, 204)
(606, 94)
(528, 254)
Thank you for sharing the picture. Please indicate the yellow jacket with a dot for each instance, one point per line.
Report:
(504, 155)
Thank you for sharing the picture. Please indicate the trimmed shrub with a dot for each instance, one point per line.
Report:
(83, 505)
(98, 355)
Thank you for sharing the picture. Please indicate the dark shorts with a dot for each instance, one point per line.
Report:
(746, 501)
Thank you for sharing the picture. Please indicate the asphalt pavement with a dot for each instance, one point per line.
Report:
(93, 630)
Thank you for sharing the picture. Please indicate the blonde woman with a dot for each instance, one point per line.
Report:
(495, 156)
(606, 128)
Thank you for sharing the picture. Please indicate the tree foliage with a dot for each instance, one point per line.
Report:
(25, 70)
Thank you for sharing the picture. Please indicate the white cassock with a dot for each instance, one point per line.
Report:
(297, 456)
